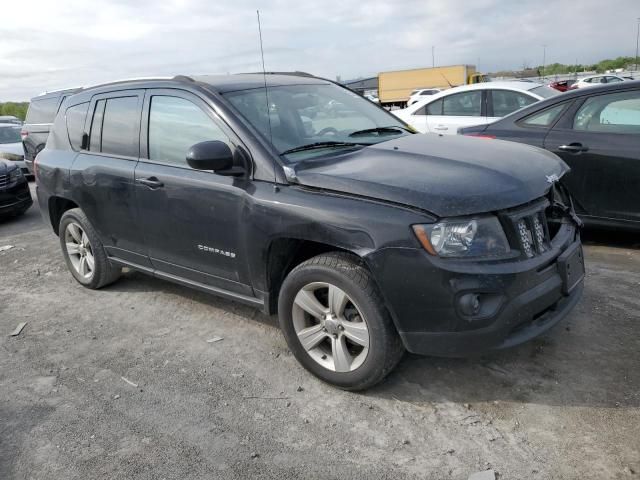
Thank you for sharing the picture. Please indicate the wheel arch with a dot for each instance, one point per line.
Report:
(57, 206)
(284, 254)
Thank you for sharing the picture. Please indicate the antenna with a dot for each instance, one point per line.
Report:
(264, 77)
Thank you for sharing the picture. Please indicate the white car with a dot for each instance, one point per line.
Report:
(420, 93)
(468, 105)
(11, 145)
(596, 80)
(372, 98)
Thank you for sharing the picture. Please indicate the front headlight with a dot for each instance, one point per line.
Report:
(468, 237)
(15, 174)
(11, 156)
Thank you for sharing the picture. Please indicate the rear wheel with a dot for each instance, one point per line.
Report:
(83, 251)
(335, 322)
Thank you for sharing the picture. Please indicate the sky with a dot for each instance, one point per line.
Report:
(47, 45)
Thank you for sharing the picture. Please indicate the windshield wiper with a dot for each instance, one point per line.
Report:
(328, 144)
(379, 130)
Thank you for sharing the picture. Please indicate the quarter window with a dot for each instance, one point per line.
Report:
(75, 123)
(614, 113)
(465, 104)
(505, 102)
(175, 124)
(546, 117)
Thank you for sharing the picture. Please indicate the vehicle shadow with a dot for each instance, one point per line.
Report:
(132, 281)
(611, 238)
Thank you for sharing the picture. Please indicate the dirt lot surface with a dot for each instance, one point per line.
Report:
(122, 383)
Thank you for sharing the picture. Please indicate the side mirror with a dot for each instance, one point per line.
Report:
(210, 155)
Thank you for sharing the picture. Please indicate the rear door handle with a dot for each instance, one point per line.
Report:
(441, 127)
(573, 148)
(151, 182)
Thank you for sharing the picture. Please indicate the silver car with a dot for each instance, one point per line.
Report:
(11, 145)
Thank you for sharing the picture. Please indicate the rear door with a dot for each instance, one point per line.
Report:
(457, 110)
(191, 218)
(599, 138)
(103, 173)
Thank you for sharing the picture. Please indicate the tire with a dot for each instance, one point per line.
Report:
(76, 229)
(328, 335)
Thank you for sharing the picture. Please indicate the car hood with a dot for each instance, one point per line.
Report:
(5, 166)
(15, 148)
(444, 175)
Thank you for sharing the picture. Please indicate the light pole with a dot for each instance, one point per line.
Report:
(544, 58)
(433, 55)
(637, 38)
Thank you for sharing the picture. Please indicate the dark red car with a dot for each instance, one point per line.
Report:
(562, 85)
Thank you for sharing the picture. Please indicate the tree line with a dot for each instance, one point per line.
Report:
(600, 67)
(16, 109)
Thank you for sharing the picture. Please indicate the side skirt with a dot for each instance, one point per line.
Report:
(253, 301)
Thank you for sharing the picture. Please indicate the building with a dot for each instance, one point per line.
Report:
(363, 85)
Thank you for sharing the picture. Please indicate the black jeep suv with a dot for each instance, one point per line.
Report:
(366, 238)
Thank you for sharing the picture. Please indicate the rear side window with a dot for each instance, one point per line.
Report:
(96, 126)
(75, 123)
(434, 108)
(465, 104)
(546, 117)
(505, 102)
(119, 133)
(175, 124)
(42, 110)
(613, 113)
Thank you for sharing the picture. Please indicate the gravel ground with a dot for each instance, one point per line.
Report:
(121, 383)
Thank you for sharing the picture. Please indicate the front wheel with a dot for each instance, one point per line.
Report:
(335, 322)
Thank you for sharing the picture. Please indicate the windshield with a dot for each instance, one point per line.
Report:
(10, 135)
(323, 117)
(545, 92)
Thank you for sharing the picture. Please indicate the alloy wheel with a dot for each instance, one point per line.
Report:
(79, 250)
(330, 327)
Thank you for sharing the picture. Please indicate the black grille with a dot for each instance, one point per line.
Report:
(533, 236)
(4, 181)
(529, 229)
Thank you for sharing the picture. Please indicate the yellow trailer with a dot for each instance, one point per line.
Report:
(396, 87)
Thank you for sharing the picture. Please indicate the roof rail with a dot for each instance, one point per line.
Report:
(296, 73)
(183, 78)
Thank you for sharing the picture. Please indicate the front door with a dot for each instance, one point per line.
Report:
(601, 144)
(190, 218)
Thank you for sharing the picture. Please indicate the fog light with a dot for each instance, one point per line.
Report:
(469, 304)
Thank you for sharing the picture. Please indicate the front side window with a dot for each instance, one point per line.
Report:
(75, 124)
(175, 124)
(613, 113)
(546, 117)
(10, 135)
(464, 104)
(120, 127)
(302, 116)
(506, 101)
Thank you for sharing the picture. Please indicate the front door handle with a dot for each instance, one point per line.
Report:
(151, 182)
(573, 148)
(441, 127)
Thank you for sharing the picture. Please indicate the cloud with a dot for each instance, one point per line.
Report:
(75, 42)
